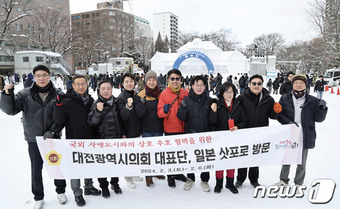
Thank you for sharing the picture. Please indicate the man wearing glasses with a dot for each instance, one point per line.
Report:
(37, 104)
(169, 102)
(259, 107)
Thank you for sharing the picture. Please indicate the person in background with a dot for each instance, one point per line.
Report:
(104, 116)
(37, 104)
(269, 85)
(147, 110)
(276, 85)
(320, 87)
(29, 80)
(229, 115)
(168, 104)
(300, 107)
(287, 85)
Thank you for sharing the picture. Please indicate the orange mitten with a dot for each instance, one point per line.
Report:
(277, 107)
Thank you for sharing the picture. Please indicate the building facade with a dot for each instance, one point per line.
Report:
(105, 32)
(166, 24)
(32, 32)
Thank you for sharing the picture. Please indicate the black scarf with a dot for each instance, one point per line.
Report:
(199, 98)
(43, 89)
(299, 94)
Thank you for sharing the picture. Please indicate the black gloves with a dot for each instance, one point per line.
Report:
(184, 104)
(60, 98)
(50, 134)
(143, 100)
(322, 104)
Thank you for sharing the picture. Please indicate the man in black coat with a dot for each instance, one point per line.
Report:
(259, 107)
(320, 87)
(195, 110)
(300, 107)
(72, 112)
(287, 85)
(37, 104)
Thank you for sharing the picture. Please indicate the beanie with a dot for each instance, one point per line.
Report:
(150, 74)
(300, 77)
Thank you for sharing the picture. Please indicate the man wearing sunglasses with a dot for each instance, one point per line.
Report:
(259, 107)
(169, 102)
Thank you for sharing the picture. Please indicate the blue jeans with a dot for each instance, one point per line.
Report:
(319, 94)
(151, 134)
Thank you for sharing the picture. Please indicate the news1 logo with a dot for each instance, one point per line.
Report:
(321, 191)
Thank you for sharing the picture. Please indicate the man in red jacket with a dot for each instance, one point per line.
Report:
(169, 102)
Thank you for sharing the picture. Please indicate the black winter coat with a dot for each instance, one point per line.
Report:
(107, 122)
(148, 112)
(36, 114)
(286, 88)
(258, 115)
(311, 113)
(276, 84)
(320, 85)
(73, 115)
(196, 114)
(132, 123)
(220, 119)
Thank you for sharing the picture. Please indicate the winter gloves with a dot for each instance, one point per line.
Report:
(166, 108)
(277, 107)
(322, 104)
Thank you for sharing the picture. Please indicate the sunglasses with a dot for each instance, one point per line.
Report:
(254, 83)
(177, 79)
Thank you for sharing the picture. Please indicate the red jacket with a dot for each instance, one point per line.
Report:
(170, 121)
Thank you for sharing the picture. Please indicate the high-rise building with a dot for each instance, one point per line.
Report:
(166, 24)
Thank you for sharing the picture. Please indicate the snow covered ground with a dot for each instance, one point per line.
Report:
(323, 162)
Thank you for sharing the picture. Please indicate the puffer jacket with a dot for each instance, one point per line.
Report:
(258, 115)
(107, 122)
(36, 114)
(132, 123)
(150, 120)
(72, 114)
(221, 117)
(171, 123)
(196, 114)
(311, 113)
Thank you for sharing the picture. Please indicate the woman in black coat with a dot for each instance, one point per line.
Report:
(230, 116)
(127, 110)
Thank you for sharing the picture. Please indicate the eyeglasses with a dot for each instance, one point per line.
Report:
(177, 78)
(41, 76)
(80, 84)
(254, 83)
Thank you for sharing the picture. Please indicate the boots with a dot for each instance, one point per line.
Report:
(219, 185)
(230, 185)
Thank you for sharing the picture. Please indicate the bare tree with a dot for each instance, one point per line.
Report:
(88, 46)
(11, 11)
(271, 42)
(50, 30)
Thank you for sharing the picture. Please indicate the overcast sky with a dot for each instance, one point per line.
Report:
(246, 18)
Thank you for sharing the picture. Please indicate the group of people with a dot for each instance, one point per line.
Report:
(152, 112)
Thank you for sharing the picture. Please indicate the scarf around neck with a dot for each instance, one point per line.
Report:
(152, 92)
(176, 91)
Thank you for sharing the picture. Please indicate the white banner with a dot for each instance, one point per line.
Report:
(186, 153)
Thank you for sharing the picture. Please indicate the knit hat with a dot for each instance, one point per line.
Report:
(150, 74)
(301, 77)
